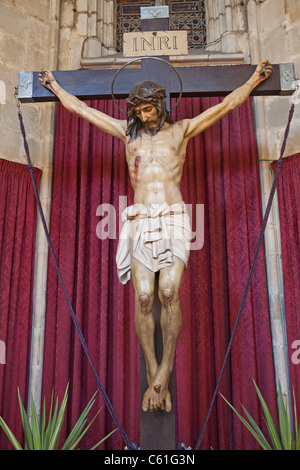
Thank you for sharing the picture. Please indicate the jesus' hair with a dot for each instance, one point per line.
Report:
(146, 92)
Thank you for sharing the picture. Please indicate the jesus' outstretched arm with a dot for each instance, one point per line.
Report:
(101, 120)
(199, 123)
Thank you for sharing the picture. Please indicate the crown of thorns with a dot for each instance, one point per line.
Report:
(146, 91)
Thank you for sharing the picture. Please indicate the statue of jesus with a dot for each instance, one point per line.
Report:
(156, 233)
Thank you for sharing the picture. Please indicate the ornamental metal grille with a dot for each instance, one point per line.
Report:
(184, 15)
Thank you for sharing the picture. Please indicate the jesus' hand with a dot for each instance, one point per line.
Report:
(264, 70)
(47, 79)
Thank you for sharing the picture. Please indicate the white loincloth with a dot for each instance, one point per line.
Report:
(157, 231)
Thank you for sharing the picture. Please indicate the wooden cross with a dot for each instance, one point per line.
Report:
(157, 430)
(199, 80)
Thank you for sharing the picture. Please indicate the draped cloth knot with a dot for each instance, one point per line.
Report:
(154, 233)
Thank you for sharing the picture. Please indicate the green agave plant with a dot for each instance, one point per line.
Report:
(46, 436)
(281, 440)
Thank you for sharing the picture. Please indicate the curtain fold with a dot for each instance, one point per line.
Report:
(90, 187)
(288, 193)
(17, 255)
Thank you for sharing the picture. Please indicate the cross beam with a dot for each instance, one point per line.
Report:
(217, 80)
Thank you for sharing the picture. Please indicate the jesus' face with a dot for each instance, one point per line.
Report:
(148, 114)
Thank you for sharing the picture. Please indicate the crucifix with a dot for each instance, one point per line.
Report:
(156, 264)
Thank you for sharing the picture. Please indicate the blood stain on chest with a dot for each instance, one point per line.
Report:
(136, 167)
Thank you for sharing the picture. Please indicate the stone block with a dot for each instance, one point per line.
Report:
(296, 61)
(37, 152)
(229, 42)
(12, 21)
(9, 76)
(36, 59)
(67, 14)
(46, 124)
(275, 45)
(13, 52)
(81, 24)
(293, 7)
(38, 9)
(82, 5)
(294, 39)
(2, 92)
(277, 111)
(38, 34)
(292, 143)
(11, 146)
(9, 118)
(76, 53)
(91, 48)
(64, 48)
(30, 118)
(271, 14)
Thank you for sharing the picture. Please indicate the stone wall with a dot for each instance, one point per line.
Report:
(227, 26)
(82, 20)
(24, 45)
(51, 34)
(279, 39)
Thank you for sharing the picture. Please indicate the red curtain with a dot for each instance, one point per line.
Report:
(288, 191)
(17, 254)
(220, 176)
